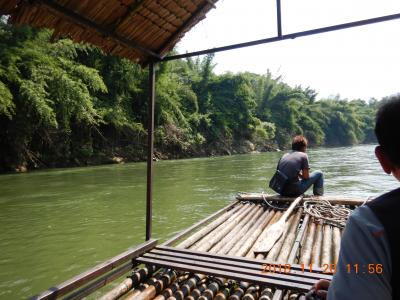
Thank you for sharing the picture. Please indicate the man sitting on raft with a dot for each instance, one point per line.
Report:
(295, 166)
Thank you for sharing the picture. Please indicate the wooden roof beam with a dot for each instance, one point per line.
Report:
(76, 18)
(212, 3)
(132, 8)
(189, 22)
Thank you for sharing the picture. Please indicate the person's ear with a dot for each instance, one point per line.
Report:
(383, 160)
(396, 173)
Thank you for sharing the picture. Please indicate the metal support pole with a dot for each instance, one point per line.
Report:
(279, 17)
(150, 149)
(286, 37)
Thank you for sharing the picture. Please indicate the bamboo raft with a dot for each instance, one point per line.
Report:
(215, 259)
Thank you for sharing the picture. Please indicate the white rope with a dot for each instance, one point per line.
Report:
(284, 207)
(328, 213)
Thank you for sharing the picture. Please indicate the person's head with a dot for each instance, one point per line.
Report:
(387, 131)
(299, 143)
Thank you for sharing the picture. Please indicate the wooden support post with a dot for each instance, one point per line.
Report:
(150, 148)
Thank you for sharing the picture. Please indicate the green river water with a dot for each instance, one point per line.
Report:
(57, 223)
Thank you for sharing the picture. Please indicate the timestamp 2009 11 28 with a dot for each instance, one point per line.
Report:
(356, 268)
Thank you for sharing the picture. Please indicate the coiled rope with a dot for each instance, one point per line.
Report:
(323, 210)
(320, 209)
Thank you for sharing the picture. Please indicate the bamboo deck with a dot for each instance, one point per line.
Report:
(214, 259)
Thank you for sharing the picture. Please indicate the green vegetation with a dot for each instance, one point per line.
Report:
(66, 104)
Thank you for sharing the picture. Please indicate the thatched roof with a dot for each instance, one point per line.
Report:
(136, 29)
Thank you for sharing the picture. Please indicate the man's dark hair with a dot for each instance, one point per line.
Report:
(387, 128)
(299, 143)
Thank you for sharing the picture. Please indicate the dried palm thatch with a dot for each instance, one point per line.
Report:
(136, 29)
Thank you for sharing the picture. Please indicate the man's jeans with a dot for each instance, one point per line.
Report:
(317, 179)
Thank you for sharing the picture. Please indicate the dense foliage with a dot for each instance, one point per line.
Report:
(64, 104)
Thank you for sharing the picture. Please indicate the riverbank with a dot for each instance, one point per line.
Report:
(121, 155)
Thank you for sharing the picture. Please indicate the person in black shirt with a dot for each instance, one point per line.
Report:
(295, 166)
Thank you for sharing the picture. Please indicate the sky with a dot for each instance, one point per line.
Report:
(356, 63)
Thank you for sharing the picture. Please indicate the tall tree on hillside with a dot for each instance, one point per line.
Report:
(233, 106)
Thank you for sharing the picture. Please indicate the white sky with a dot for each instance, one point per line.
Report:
(362, 62)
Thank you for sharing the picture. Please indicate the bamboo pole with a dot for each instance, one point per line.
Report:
(237, 215)
(256, 232)
(210, 227)
(316, 251)
(186, 233)
(217, 241)
(213, 288)
(128, 283)
(336, 244)
(217, 248)
(251, 254)
(306, 250)
(252, 226)
(331, 199)
(239, 291)
(277, 229)
(281, 253)
(181, 293)
(291, 224)
(266, 294)
(204, 244)
(238, 235)
(267, 219)
(246, 242)
(230, 233)
(135, 292)
(270, 220)
(118, 291)
(274, 252)
(326, 257)
(168, 292)
(290, 237)
(208, 243)
(299, 240)
(293, 296)
(156, 287)
(187, 287)
(232, 246)
(196, 293)
(224, 293)
(252, 293)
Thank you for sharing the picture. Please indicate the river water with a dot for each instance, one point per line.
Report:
(57, 223)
